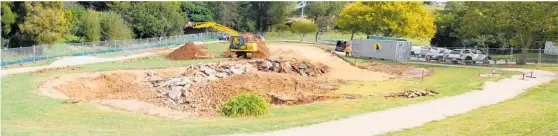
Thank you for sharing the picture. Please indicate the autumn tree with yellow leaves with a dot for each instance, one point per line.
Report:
(389, 19)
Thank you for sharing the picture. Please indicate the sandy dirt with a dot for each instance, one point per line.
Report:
(188, 51)
(126, 89)
(339, 68)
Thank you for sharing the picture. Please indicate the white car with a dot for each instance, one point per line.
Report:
(415, 50)
(441, 54)
(468, 56)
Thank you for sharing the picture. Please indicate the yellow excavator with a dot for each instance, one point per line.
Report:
(239, 45)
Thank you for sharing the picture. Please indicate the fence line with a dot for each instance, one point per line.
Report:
(537, 56)
(34, 53)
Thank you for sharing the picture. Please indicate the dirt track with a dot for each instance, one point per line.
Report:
(339, 68)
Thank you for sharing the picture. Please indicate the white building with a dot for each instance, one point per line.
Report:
(549, 48)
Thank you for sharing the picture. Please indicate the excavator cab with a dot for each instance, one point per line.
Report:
(242, 47)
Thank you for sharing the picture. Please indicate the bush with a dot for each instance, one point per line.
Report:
(303, 28)
(245, 105)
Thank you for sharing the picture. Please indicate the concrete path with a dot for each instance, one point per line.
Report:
(79, 60)
(414, 115)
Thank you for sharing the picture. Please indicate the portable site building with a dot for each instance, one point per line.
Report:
(382, 48)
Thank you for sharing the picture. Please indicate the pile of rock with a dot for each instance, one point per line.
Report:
(180, 87)
(412, 94)
(300, 67)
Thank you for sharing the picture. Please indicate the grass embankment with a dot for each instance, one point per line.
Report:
(24, 112)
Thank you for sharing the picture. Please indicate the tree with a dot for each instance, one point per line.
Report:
(152, 19)
(265, 14)
(91, 26)
(324, 13)
(317, 9)
(524, 22)
(196, 11)
(8, 18)
(390, 19)
(114, 28)
(45, 22)
(303, 28)
(224, 12)
(353, 18)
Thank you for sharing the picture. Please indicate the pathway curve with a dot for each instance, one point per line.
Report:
(414, 115)
(79, 60)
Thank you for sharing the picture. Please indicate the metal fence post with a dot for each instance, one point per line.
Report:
(540, 56)
(34, 53)
(511, 54)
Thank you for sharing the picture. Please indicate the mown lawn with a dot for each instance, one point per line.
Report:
(532, 113)
(24, 112)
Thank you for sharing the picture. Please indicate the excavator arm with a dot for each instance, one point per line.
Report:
(217, 27)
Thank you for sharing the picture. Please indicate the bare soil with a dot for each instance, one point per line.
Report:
(339, 69)
(189, 51)
(120, 89)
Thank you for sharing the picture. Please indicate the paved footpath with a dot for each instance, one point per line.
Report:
(414, 115)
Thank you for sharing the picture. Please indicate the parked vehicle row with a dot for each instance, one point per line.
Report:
(446, 55)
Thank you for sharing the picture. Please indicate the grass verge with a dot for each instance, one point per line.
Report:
(532, 113)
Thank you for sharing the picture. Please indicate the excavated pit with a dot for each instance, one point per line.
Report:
(198, 90)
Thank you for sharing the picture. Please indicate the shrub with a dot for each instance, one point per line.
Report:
(245, 105)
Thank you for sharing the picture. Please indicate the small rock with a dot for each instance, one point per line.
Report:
(221, 75)
(175, 93)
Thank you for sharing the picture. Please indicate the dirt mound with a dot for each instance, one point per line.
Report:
(263, 50)
(123, 86)
(279, 88)
(187, 52)
(227, 53)
(339, 69)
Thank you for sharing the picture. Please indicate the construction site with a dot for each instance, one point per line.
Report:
(283, 74)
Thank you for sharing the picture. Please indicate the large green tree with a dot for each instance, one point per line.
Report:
(523, 22)
(390, 19)
(90, 26)
(44, 22)
(353, 18)
(224, 12)
(324, 13)
(265, 14)
(114, 27)
(197, 11)
(152, 19)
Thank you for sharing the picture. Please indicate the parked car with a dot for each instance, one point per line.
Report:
(468, 56)
(417, 50)
(440, 55)
(223, 36)
(340, 45)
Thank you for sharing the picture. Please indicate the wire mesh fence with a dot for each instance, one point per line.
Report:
(501, 55)
(21, 55)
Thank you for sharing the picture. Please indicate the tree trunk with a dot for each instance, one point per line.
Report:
(352, 35)
(525, 47)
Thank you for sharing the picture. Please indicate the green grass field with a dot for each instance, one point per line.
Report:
(24, 112)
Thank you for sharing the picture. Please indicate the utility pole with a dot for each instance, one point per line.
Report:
(301, 5)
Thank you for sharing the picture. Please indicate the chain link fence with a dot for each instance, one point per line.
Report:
(11, 56)
(508, 55)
